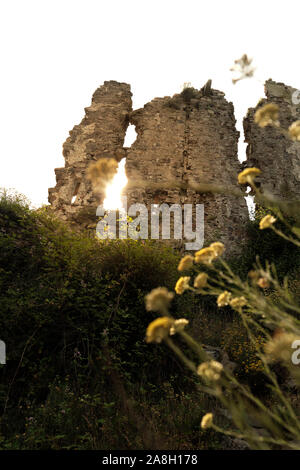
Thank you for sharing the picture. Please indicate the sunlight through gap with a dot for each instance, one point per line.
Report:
(113, 197)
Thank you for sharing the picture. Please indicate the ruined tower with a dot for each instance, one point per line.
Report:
(101, 133)
(189, 138)
(270, 150)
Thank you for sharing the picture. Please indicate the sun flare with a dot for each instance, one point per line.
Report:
(113, 197)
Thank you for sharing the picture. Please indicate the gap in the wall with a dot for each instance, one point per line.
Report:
(130, 136)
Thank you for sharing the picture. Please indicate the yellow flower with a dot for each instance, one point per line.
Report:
(200, 281)
(182, 284)
(186, 263)
(238, 302)
(206, 255)
(210, 371)
(279, 348)
(218, 247)
(207, 421)
(158, 300)
(102, 172)
(224, 299)
(294, 131)
(267, 115)
(266, 222)
(263, 283)
(247, 175)
(178, 326)
(159, 329)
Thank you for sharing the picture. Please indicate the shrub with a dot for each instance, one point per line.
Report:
(63, 294)
(189, 93)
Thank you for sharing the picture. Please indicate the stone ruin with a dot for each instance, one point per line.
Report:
(187, 139)
(277, 156)
(101, 133)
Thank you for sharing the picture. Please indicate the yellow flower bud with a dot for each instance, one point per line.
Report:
(178, 326)
(102, 172)
(266, 222)
(263, 283)
(186, 263)
(224, 299)
(159, 329)
(158, 300)
(238, 302)
(205, 256)
(210, 371)
(218, 247)
(248, 175)
(207, 421)
(294, 131)
(267, 115)
(182, 284)
(200, 281)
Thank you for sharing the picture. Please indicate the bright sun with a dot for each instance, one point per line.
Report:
(113, 199)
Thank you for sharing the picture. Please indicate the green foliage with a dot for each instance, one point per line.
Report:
(79, 373)
(74, 418)
(66, 296)
(188, 93)
(240, 349)
(184, 97)
(268, 246)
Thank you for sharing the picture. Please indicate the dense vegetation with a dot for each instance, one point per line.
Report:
(79, 373)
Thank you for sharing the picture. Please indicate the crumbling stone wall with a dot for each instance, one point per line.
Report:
(189, 139)
(270, 150)
(101, 133)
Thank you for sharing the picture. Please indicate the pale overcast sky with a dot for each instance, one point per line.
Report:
(54, 54)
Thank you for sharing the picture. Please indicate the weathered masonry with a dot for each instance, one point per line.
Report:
(100, 134)
(277, 156)
(188, 138)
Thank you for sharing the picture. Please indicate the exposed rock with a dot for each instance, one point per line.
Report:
(277, 156)
(101, 133)
(189, 138)
(206, 89)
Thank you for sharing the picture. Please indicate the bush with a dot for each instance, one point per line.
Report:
(271, 247)
(189, 93)
(242, 351)
(68, 302)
